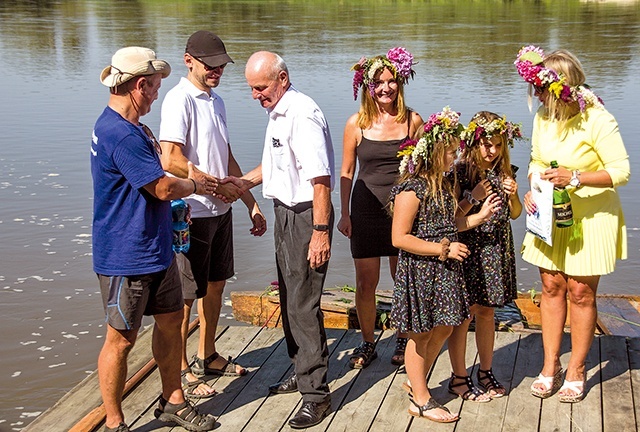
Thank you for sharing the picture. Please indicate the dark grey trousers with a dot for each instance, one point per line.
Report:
(300, 292)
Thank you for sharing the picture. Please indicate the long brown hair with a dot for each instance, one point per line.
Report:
(472, 157)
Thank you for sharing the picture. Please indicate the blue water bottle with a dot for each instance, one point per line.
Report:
(181, 238)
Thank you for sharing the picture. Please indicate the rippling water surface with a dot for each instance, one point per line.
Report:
(51, 53)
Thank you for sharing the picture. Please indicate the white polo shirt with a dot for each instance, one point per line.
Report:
(297, 149)
(198, 120)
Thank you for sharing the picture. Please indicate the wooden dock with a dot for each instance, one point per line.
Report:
(372, 399)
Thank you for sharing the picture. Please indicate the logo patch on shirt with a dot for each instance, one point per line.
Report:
(275, 142)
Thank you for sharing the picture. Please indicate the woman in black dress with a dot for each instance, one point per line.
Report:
(372, 138)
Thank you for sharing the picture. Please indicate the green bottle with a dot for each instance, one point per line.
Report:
(561, 205)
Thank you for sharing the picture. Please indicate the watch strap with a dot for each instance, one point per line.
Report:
(321, 227)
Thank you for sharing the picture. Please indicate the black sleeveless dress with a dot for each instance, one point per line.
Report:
(377, 173)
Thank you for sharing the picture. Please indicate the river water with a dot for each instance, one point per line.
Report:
(51, 54)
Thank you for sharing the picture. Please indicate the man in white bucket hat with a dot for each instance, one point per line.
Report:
(132, 237)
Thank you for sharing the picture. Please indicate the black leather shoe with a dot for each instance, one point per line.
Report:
(289, 385)
(310, 414)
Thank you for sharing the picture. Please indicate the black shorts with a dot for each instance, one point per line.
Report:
(211, 251)
(127, 298)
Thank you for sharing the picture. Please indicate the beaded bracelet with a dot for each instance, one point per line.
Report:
(444, 254)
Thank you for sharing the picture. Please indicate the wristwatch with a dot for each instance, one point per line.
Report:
(321, 227)
(469, 197)
(575, 179)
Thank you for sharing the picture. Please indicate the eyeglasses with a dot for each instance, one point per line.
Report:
(152, 137)
(210, 68)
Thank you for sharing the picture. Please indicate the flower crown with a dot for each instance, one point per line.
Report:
(480, 128)
(528, 63)
(398, 60)
(440, 126)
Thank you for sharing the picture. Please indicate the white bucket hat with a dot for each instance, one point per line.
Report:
(131, 62)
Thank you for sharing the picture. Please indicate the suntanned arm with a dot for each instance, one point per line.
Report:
(255, 214)
(349, 146)
(320, 245)
(168, 188)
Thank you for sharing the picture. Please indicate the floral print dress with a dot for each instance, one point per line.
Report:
(490, 269)
(428, 292)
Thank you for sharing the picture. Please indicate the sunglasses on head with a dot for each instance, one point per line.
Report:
(209, 68)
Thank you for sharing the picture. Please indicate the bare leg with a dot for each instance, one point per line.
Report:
(209, 308)
(166, 346)
(204, 388)
(553, 313)
(582, 298)
(367, 278)
(457, 353)
(485, 340)
(422, 350)
(112, 371)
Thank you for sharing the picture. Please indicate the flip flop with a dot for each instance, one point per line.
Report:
(429, 406)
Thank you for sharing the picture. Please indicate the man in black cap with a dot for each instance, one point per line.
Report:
(194, 128)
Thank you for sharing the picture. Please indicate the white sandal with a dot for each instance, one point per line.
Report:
(577, 387)
(551, 384)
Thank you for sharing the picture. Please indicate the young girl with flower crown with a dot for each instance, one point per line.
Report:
(429, 295)
(490, 270)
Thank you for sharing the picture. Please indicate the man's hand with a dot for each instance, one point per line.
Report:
(259, 222)
(205, 184)
(319, 249)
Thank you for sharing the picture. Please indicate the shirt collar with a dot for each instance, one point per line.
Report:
(195, 91)
(284, 103)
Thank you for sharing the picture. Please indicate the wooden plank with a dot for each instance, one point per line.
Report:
(556, 416)
(276, 409)
(587, 415)
(634, 371)
(247, 401)
(86, 395)
(523, 409)
(341, 377)
(231, 341)
(617, 403)
(367, 390)
(490, 416)
(617, 316)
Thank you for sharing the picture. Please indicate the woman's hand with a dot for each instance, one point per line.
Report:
(482, 190)
(458, 251)
(491, 205)
(509, 185)
(529, 204)
(560, 177)
(344, 226)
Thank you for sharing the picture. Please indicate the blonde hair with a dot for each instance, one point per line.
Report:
(472, 157)
(437, 184)
(566, 64)
(369, 110)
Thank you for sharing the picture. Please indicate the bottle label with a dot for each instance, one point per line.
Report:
(181, 240)
(563, 213)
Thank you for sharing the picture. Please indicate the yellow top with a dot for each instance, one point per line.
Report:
(589, 142)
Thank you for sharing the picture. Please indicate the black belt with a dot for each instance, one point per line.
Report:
(298, 208)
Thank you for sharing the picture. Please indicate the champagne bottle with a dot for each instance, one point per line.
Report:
(561, 205)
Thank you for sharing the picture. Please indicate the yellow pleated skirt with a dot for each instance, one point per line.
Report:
(589, 247)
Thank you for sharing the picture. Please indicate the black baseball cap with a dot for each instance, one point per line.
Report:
(208, 48)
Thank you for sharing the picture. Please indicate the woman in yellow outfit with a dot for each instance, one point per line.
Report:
(573, 128)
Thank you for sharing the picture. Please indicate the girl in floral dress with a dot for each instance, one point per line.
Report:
(490, 271)
(429, 294)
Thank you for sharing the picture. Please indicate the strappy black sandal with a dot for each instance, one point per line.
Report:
(365, 352)
(229, 369)
(472, 394)
(431, 405)
(398, 355)
(488, 382)
(184, 414)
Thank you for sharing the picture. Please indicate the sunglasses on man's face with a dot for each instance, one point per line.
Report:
(210, 68)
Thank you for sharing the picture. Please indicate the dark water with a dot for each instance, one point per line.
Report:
(51, 53)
